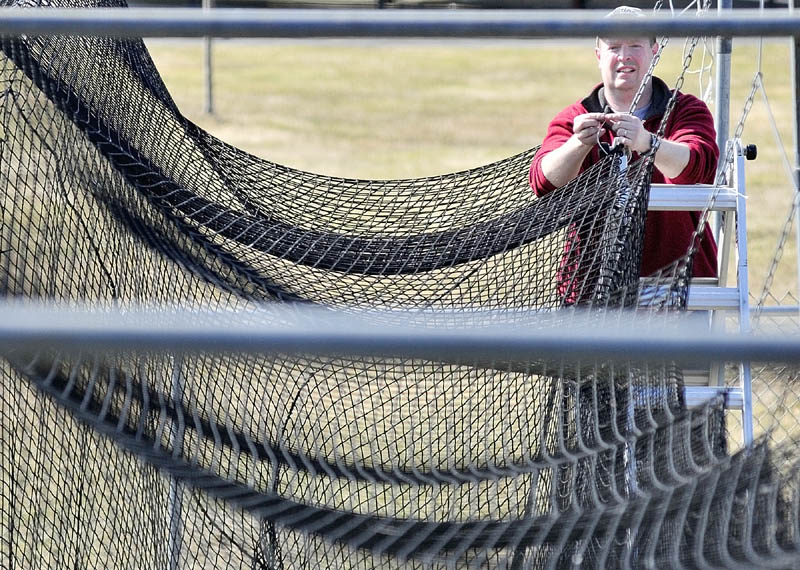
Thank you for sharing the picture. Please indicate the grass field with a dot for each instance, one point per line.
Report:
(404, 109)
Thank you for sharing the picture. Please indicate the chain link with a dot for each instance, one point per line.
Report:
(653, 63)
(649, 74)
(786, 230)
(727, 160)
(748, 104)
(729, 151)
(687, 62)
(787, 226)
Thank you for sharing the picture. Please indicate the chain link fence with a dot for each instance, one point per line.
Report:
(776, 386)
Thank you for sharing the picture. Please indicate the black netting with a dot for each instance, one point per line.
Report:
(112, 199)
(133, 167)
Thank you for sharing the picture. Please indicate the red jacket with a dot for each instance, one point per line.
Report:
(667, 234)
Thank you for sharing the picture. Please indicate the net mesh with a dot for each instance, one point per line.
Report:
(134, 459)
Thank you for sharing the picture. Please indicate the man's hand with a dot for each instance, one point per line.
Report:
(629, 130)
(589, 127)
(671, 158)
(563, 164)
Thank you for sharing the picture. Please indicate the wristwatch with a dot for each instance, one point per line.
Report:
(654, 143)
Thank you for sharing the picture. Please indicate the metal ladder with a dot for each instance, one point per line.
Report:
(716, 295)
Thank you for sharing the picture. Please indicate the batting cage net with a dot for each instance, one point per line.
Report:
(225, 459)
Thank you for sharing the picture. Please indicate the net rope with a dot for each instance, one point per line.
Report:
(133, 459)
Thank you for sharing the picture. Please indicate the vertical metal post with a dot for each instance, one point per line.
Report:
(722, 113)
(743, 284)
(722, 100)
(796, 107)
(208, 67)
(175, 506)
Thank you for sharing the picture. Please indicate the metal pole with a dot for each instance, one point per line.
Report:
(743, 284)
(175, 503)
(207, 66)
(796, 107)
(418, 23)
(295, 330)
(722, 113)
(723, 98)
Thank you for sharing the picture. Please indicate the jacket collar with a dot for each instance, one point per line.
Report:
(596, 101)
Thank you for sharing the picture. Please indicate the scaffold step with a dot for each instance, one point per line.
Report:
(671, 197)
(696, 395)
(703, 298)
(700, 297)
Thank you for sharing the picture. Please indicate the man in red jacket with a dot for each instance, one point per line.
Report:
(688, 153)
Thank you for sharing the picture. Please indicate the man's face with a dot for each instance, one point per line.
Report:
(624, 62)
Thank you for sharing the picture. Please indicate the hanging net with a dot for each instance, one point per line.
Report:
(222, 459)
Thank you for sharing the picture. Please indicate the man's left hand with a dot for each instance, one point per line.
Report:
(629, 130)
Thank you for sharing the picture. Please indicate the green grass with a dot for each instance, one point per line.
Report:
(394, 109)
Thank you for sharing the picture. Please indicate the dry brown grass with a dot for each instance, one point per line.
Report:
(394, 109)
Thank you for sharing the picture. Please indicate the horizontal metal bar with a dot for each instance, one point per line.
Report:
(700, 298)
(489, 336)
(668, 197)
(292, 23)
(712, 298)
(777, 310)
(704, 281)
(697, 395)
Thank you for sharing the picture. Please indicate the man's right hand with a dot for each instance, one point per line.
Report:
(588, 128)
(562, 164)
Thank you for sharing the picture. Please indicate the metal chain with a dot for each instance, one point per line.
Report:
(653, 63)
(649, 74)
(748, 104)
(787, 227)
(687, 62)
(787, 224)
(721, 171)
(729, 151)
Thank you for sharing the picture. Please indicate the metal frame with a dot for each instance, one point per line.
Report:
(718, 297)
(278, 23)
(691, 197)
(795, 69)
(174, 497)
(208, 77)
(491, 335)
(743, 284)
(722, 99)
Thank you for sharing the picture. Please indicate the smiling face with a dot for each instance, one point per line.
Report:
(624, 62)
